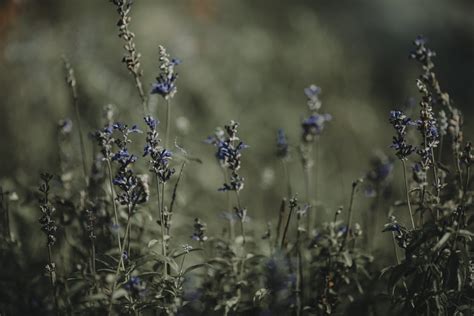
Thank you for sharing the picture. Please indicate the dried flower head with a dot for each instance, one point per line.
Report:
(199, 230)
(48, 224)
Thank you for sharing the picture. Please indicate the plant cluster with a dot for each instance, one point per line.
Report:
(109, 246)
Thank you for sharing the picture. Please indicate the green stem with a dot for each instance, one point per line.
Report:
(349, 215)
(7, 219)
(94, 273)
(51, 279)
(280, 220)
(285, 231)
(139, 86)
(118, 267)
(168, 121)
(458, 166)
(181, 266)
(116, 219)
(242, 229)
(407, 193)
(228, 209)
(435, 172)
(163, 229)
(440, 149)
(299, 271)
(242, 219)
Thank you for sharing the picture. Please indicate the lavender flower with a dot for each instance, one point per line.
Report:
(427, 127)
(133, 189)
(314, 125)
(379, 175)
(159, 156)
(136, 286)
(65, 126)
(165, 84)
(400, 232)
(282, 144)
(229, 155)
(400, 122)
(312, 93)
(382, 169)
(105, 141)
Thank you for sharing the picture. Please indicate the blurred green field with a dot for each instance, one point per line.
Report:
(243, 60)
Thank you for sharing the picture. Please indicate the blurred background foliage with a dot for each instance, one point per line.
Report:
(244, 60)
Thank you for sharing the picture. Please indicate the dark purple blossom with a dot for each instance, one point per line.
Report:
(165, 84)
(159, 156)
(136, 286)
(229, 152)
(401, 122)
(282, 144)
(314, 125)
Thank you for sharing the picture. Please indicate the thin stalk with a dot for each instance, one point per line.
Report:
(440, 148)
(7, 218)
(349, 216)
(435, 172)
(175, 188)
(116, 223)
(457, 164)
(94, 273)
(241, 277)
(182, 265)
(307, 182)
(280, 220)
(71, 81)
(317, 159)
(397, 256)
(285, 231)
(129, 238)
(162, 220)
(299, 271)
(466, 184)
(51, 279)
(164, 245)
(231, 221)
(168, 121)
(242, 229)
(118, 267)
(143, 98)
(407, 193)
